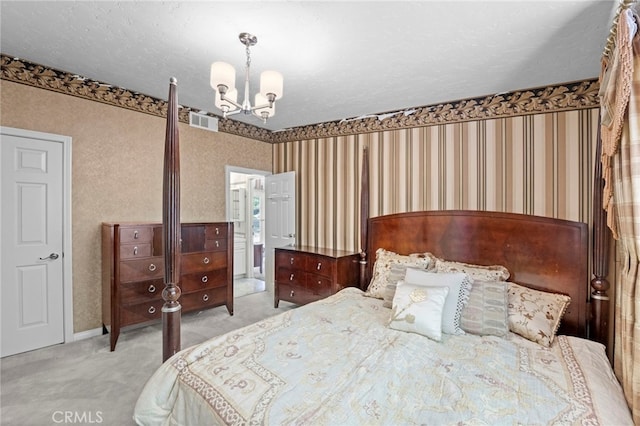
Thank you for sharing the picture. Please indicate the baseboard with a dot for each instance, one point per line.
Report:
(87, 334)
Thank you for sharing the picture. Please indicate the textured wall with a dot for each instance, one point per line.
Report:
(117, 162)
(536, 164)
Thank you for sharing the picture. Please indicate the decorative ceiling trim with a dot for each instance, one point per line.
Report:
(570, 96)
(24, 72)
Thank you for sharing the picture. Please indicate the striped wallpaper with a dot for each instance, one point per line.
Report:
(537, 164)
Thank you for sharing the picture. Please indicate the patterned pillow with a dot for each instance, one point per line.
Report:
(396, 273)
(384, 260)
(487, 312)
(535, 314)
(418, 309)
(459, 285)
(476, 272)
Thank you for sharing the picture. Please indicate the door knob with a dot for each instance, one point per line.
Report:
(52, 256)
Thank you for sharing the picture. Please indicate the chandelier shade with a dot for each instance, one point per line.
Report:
(222, 80)
(223, 74)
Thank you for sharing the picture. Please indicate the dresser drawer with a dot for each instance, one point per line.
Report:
(203, 299)
(203, 280)
(319, 285)
(211, 232)
(291, 276)
(290, 260)
(218, 244)
(320, 265)
(140, 291)
(142, 269)
(135, 233)
(133, 269)
(132, 251)
(294, 294)
(199, 262)
(141, 312)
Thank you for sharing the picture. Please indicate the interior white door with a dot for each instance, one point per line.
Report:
(280, 218)
(32, 292)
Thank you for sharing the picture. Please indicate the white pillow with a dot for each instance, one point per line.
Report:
(459, 285)
(418, 309)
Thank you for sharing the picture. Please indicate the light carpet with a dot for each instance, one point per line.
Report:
(84, 383)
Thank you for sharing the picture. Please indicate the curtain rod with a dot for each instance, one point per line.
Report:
(611, 40)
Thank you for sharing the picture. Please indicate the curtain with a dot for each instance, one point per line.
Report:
(620, 114)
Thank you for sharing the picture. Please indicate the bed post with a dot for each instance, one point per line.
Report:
(599, 298)
(364, 217)
(171, 310)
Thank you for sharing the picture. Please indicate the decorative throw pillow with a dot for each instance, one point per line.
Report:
(487, 312)
(396, 273)
(459, 285)
(418, 309)
(385, 259)
(535, 314)
(476, 272)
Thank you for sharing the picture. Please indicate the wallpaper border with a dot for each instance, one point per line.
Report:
(556, 98)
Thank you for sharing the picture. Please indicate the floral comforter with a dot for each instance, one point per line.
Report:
(335, 362)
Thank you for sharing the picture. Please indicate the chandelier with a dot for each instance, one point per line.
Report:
(223, 77)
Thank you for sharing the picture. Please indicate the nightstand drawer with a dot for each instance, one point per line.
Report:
(320, 265)
(291, 276)
(319, 285)
(290, 260)
(294, 294)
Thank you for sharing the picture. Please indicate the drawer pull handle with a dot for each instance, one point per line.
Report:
(205, 297)
(291, 261)
(319, 282)
(217, 231)
(217, 243)
(291, 277)
(206, 260)
(152, 267)
(319, 266)
(135, 251)
(205, 279)
(152, 310)
(292, 293)
(152, 288)
(135, 235)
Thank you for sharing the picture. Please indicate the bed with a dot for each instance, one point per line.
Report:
(460, 317)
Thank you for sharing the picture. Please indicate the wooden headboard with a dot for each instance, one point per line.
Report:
(539, 252)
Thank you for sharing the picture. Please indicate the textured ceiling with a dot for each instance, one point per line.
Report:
(340, 60)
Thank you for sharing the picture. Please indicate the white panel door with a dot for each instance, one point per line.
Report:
(32, 171)
(280, 218)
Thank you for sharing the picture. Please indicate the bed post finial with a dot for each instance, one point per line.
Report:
(171, 310)
(364, 217)
(599, 324)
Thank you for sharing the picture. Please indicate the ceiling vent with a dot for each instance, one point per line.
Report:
(203, 121)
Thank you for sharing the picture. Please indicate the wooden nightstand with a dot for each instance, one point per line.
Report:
(306, 274)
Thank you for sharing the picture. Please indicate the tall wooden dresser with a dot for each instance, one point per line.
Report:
(307, 274)
(133, 271)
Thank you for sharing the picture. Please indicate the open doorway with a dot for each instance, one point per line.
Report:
(245, 208)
